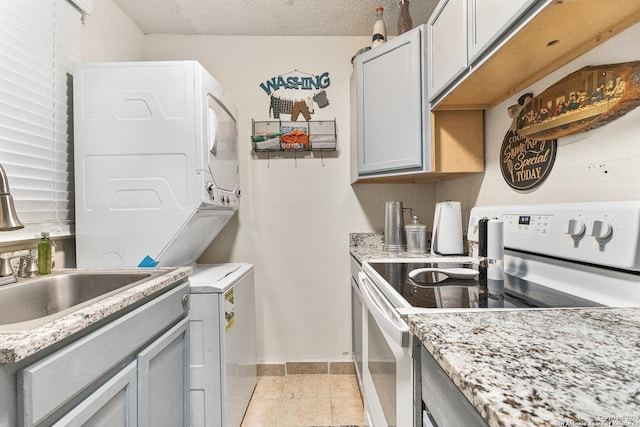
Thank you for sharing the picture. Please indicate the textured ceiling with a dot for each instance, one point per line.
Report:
(268, 17)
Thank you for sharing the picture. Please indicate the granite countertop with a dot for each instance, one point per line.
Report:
(366, 246)
(576, 367)
(15, 346)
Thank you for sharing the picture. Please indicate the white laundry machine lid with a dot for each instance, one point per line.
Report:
(214, 278)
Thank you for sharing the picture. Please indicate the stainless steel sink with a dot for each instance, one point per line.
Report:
(33, 302)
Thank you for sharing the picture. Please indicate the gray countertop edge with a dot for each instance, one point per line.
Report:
(16, 346)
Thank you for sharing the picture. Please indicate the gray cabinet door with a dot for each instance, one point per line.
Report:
(447, 44)
(389, 97)
(112, 405)
(163, 380)
(488, 20)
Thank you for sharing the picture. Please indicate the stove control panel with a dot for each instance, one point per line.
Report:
(603, 233)
(531, 224)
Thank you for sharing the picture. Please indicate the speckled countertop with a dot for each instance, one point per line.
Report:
(574, 367)
(15, 346)
(366, 246)
(563, 367)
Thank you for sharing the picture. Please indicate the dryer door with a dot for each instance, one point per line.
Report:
(222, 136)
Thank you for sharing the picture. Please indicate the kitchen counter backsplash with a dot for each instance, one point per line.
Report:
(366, 246)
(541, 367)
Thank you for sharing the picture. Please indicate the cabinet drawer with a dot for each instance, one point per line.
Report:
(47, 385)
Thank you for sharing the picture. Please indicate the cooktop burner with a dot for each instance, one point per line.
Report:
(447, 285)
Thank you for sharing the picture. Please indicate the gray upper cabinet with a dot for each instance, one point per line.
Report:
(515, 43)
(488, 20)
(395, 136)
(391, 129)
(447, 44)
(462, 33)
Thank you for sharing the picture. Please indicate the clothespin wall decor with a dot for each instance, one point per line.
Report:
(303, 92)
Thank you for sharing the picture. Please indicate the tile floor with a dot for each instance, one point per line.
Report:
(305, 400)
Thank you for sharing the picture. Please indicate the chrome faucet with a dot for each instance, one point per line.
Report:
(8, 217)
(28, 267)
(7, 274)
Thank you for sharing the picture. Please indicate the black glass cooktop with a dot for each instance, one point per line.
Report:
(466, 289)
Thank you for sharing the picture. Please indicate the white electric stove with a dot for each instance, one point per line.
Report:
(556, 256)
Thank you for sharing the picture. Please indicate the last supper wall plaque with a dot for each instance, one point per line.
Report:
(583, 100)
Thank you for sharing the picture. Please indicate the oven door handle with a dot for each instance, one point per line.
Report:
(385, 315)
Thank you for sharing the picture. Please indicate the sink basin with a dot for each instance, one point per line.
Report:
(33, 302)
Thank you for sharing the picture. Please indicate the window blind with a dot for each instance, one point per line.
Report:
(39, 42)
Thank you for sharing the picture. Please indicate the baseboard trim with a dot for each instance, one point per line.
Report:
(297, 368)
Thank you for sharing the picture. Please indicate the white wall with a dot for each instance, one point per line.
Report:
(296, 214)
(109, 35)
(600, 165)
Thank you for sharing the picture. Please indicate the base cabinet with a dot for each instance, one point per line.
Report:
(113, 404)
(150, 391)
(132, 371)
(443, 403)
(163, 380)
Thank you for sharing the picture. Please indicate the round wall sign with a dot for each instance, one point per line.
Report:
(526, 163)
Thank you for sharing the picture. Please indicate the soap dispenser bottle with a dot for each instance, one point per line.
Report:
(44, 254)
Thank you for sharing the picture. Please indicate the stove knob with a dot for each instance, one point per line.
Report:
(599, 229)
(575, 227)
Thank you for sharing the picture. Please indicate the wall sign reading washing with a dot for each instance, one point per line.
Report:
(294, 102)
(307, 82)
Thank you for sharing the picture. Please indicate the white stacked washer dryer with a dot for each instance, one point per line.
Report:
(156, 172)
(156, 162)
